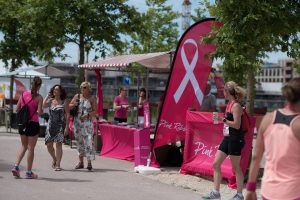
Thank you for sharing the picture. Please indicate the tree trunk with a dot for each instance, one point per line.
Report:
(250, 91)
(11, 91)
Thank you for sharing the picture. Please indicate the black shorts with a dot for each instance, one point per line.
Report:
(231, 146)
(32, 129)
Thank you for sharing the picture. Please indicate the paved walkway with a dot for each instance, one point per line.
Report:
(111, 179)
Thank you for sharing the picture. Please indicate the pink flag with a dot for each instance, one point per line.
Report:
(190, 70)
(20, 88)
(99, 91)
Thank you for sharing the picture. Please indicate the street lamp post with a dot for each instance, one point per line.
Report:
(186, 14)
(87, 48)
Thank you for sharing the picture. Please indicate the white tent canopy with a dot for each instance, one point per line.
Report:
(159, 61)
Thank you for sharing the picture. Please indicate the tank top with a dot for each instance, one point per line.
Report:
(33, 105)
(281, 179)
(233, 133)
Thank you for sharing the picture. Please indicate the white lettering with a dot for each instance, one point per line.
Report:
(165, 124)
(179, 127)
(203, 149)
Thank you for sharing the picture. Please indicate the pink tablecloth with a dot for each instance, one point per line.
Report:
(201, 143)
(118, 142)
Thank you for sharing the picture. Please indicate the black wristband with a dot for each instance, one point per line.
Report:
(224, 120)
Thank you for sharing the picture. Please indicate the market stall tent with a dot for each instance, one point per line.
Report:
(153, 62)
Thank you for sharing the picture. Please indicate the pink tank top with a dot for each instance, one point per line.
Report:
(33, 105)
(281, 179)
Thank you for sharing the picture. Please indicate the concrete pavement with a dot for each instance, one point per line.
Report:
(111, 179)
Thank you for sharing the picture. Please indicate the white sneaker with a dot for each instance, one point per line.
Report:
(212, 195)
(237, 197)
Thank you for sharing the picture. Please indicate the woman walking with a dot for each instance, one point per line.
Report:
(83, 124)
(278, 138)
(58, 123)
(233, 141)
(30, 134)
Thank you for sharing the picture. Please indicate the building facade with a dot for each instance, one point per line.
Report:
(269, 82)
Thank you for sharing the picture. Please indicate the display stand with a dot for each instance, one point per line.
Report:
(143, 148)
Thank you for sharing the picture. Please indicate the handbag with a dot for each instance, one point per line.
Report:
(74, 110)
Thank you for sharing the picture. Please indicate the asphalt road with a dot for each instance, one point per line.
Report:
(111, 179)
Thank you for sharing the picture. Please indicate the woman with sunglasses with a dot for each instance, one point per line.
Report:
(83, 124)
(233, 141)
(121, 105)
(58, 123)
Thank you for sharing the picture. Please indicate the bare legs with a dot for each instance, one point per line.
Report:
(219, 158)
(56, 155)
(235, 163)
(28, 143)
(23, 149)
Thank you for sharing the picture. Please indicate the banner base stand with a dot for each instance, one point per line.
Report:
(146, 170)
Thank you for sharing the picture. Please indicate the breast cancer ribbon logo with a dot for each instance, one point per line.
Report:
(189, 76)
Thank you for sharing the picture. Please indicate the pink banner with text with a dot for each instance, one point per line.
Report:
(202, 142)
(187, 83)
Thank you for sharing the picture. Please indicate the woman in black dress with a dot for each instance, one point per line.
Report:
(58, 123)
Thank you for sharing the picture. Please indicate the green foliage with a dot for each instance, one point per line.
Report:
(249, 30)
(99, 23)
(253, 28)
(201, 12)
(158, 31)
(29, 31)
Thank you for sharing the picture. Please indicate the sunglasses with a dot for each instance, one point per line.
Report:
(85, 87)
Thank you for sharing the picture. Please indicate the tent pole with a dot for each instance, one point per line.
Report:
(147, 85)
(138, 97)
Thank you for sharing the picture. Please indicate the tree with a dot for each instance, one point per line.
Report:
(200, 12)
(25, 36)
(251, 29)
(98, 24)
(159, 31)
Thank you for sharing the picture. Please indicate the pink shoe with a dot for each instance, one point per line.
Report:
(15, 171)
(31, 175)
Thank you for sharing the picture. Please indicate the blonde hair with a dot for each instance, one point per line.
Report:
(236, 91)
(85, 83)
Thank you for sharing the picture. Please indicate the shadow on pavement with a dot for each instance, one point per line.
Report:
(62, 180)
(94, 170)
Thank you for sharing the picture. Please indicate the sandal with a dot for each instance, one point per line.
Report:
(58, 169)
(53, 164)
(79, 166)
(89, 166)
